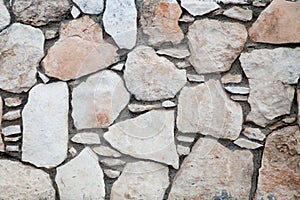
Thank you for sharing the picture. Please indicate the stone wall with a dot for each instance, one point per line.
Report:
(149, 99)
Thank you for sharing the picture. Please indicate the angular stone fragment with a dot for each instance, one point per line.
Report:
(247, 144)
(141, 180)
(214, 45)
(137, 108)
(269, 73)
(233, 1)
(81, 178)
(239, 98)
(93, 7)
(279, 175)
(98, 101)
(86, 138)
(112, 162)
(206, 109)
(238, 13)
(20, 181)
(12, 115)
(198, 8)
(13, 101)
(106, 151)
(45, 125)
(182, 64)
(4, 16)
(211, 168)
(160, 21)
(184, 138)
(40, 13)
(12, 139)
(237, 89)
(174, 52)
(183, 150)
(148, 136)
(12, 148)
(21, 49)
(276, 26)
(196, 78)
(254, 133)
(11, 130)
(168, 104)
(118, 67)
(75, 12)
(44, 78)
(120, 21)
(231, 78)
(150, 77)
(80, 50)
(186, 18)
(112, 173)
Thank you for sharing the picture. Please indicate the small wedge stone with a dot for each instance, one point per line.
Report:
(11, 130)
(247, 144)
(106, 151)
(86, 138)
(12, 115)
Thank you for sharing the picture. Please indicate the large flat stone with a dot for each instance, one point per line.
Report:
(198, 8)
(214, 45)
(159, 21)
(206, 109)
(148, 136)
(120, 21)
(21, 49)
(40, 13)
(4, 16)
(22, 182)
(80, 50)
(141, 180)
(151, 77)
(81, 178)
(210, 169)
(98, 101)
(277, 26)
(45, 125)
(279, 175)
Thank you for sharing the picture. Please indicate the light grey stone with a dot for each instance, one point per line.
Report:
(174, 52)
(112, 162)
(141, 180)
(21, 49)
(12, 148)
(22, 182)
(168, 104)
(72, 151)
(81, 178)
(12, 115)
(45, 125)
(148, 136)
(239, 98)
(93, 7)
(137, 108)
(11, 130)
(86, 138)
(98, 101)
(75, 12)
(196, 78)
(150, 77)
(13, 101)
(206, 109)
(254, 133)
(199, 8)
(44, 78)
(231, 78)
(12, 139)
(247, 144)
(185, 138)
(4, 16)
(237, 89)
(238, 13)
(214, 45)
(106, 151)
(186, 18)
(242, 2)
(183, 150)
(112, 173)
(120, 21)
(118, 67)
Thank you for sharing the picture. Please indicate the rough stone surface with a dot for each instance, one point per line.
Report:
(4, 16)
(150, 77)
(238, 13)
(279, 174)
(12, 115)
(120, 21)
(80, 50)
(214, 45)
(275, 25)
(98, 101)
(40, 13)
(141, 180)
(112, 173)
(106, 151)
(112, 162)
(13, 101)
(86, 138)
(137, 108)
(45, 125)
(174, 52)
(231, 78)
(148, 136)
(160, 21)
(196, 78)
(11, 130)
(254, 133)
(198, 8)
(81, 178)
(239, 98)
(269, 72)
(247, 144)
(21, 49)
(206, 109)
(90, 6)
(21, 182)
(183, 150)
(237, 89)
(211, 168)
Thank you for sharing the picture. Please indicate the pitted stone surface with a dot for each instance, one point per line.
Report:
(214, 45)
(40, 13)
(80, 50)
(148, 136)
(206, 109)
(45, 125)
(98, 101)
(90, 6)
(21, 49)
(151, 77)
